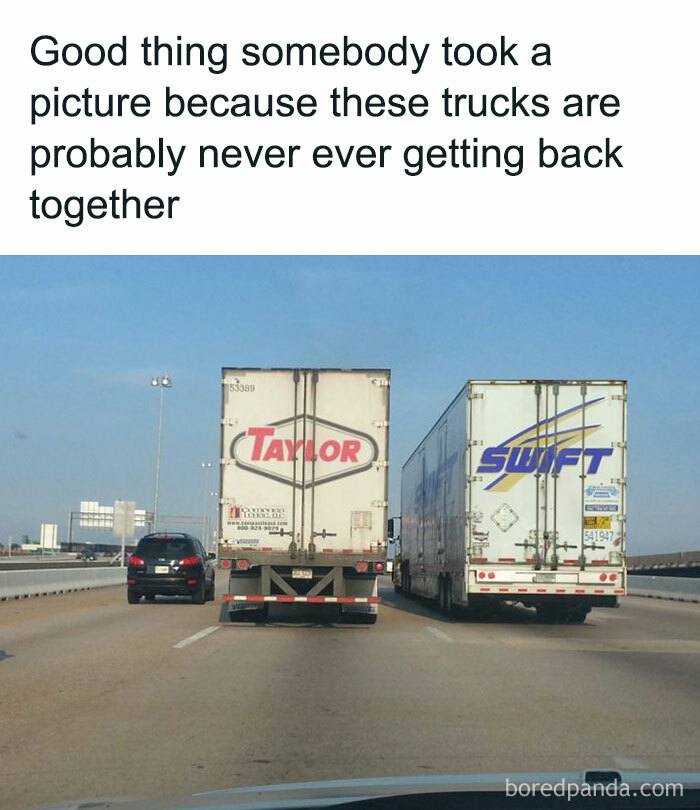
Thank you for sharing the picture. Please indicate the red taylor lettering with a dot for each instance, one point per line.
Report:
(266, 448)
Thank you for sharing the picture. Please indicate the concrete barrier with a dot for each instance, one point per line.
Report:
(15, 584)
(684, 589)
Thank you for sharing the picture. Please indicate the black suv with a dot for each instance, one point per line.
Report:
(172, 564)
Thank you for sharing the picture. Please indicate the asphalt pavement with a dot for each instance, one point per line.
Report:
(100, 699)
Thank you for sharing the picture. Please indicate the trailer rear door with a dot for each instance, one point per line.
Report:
(304, 459)
(547, 467)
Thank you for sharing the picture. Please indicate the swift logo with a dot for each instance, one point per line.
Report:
(303, 452)
(543, 447)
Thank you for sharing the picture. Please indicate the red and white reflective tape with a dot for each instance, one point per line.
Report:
(315, 599)
(513, 589)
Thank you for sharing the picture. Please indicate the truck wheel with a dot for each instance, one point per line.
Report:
(260, 614)
(132, 598)
(577, 615)
(358, 618)
(548, 613)
(448, 609)
(199, 597)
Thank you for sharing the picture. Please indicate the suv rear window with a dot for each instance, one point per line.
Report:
(168, 547)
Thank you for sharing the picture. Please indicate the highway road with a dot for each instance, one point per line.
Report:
(102, 699)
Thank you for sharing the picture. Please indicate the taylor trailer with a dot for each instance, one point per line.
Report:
(303, 488)
(518, 494)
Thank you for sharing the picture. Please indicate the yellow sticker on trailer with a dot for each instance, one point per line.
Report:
(597, 522)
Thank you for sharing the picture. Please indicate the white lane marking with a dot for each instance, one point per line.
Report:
(438, 634)
(629, 763)
(196, 637)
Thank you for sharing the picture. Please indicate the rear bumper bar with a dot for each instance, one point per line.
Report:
(373, 600)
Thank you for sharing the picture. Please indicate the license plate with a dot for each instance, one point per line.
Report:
(302, 573)
(161, 569)
(545, 578)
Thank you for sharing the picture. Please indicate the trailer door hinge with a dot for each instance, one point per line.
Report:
(381, 382)
(473, 478)
(474, 442)
(621, 481)
(618, 444)
(228, 422)
(474, 395)
(380, 463)
(380, 423)
(621, 397)
(380, 504)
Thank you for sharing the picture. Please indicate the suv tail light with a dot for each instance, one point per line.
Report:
(242, 565)
(190, 561)
(133, 560)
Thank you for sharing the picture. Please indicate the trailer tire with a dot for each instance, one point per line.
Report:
(578, 614)
(447, 590)
(358, 618)
(258, 614)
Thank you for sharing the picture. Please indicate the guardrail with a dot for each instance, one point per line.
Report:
(684, 589)
(14, 584)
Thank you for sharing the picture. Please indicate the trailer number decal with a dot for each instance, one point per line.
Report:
(303, 452)
(542, 447)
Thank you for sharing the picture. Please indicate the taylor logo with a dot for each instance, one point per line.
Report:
(302, 451)
(547, 446)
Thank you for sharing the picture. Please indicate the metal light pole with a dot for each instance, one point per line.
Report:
(206, 466)
(159, 382)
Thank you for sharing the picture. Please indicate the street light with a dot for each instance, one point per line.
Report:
(163, 382)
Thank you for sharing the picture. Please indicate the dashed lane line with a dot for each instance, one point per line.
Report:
(196, 637)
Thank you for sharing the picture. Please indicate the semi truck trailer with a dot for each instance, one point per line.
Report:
(303, 488)
(518, 494)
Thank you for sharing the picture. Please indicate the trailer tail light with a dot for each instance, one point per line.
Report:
(133, 560)
(242, 565)
(491, 575)
(603, 577)
(613, 577)
(225, 563)
(190, 561)
(361, 567)
(482, 575)
(379, 566)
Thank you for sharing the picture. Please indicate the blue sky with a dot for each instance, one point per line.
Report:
(80, 338)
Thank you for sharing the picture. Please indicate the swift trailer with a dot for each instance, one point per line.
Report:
(303, 488)
(518, 494)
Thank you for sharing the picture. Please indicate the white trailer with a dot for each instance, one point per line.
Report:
(303, 488)
(518, 494)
